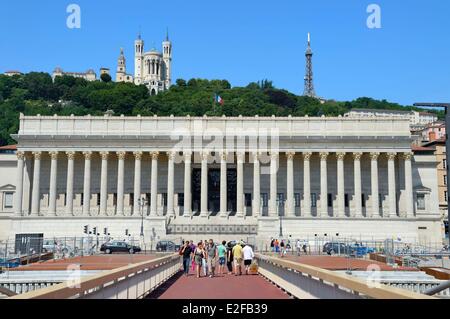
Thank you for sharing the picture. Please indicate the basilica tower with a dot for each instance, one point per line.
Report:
(121, 67)
(167, 56)
(138, 59)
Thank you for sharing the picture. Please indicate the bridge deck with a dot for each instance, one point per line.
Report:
(219, 287)
(96, 262)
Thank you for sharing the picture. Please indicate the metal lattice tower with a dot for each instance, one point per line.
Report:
(309, 83)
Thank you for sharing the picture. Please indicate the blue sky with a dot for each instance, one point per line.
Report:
(407, 60)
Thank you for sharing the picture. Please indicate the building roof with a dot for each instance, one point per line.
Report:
(437, 141)
(416, 148)
(9, 147)
(380, 110)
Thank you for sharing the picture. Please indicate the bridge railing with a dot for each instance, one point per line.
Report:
(133, 281)
(309, 282)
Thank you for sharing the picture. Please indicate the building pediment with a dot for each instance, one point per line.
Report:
(7, 187)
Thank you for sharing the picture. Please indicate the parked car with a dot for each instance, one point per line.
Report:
(332, 248)
(119, 247)
(167, 245)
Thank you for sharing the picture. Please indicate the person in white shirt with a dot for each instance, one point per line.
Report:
(299, 247)
(248, 257)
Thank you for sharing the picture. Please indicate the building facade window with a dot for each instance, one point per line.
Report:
(180, 199)
(330, 200)
(421, 201)
(313, 200)
(8, 198)
(248, 199)
(346, 200)
(445, 196)
(131, 199)
(164, 199)
(297, 199)
(363, 200)
(265, 199)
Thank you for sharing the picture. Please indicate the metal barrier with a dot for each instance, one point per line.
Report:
(129, 282)
(309, 282)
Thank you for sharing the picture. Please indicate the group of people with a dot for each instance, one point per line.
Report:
(205, 256)
(282, 247)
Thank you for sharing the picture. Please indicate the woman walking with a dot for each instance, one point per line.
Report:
(199, 255)
(205, 259)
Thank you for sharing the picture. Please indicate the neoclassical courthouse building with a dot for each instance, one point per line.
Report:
(219, 177)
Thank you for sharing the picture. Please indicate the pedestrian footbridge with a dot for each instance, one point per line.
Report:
(161, 278)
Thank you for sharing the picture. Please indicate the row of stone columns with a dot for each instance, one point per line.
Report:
(323, 212)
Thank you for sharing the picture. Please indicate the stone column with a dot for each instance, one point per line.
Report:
(87, 184)
(204, 185)
(374, 182)
(391, 185)
(240, 156)
(104, 183)
(69, 182)
(154, 184)
(409, 185)
(36, 194)
(137, 183)
(53, 181)
(273, 211)
(256, 186)
(19, 184)
(307, 184)
(223, 184)
(170, 184)
(340, 184)
(290, 184)
(187, 185)
(323, 185)
(358, 191)
(120, 182)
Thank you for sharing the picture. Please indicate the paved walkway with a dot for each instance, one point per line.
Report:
(220, 287)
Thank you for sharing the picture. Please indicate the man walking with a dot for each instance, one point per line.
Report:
(237, 255)
(186, 252)
(222, 252)
(248, 257)
(212, 257)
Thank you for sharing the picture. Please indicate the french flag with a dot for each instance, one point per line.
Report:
(219, 99)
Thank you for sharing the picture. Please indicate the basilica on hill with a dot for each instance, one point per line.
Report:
(151, 68)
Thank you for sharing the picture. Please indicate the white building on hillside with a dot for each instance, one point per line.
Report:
(415, 118)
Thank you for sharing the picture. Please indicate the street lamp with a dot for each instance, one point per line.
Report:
(281, 227)
(142, 202)
(446, 107)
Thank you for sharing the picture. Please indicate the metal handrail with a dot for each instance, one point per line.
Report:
(343, 280)
(437, 289)
(63, 291)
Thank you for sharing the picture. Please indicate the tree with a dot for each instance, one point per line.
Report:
(36, 93)
(180, 82)
(105, 77)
